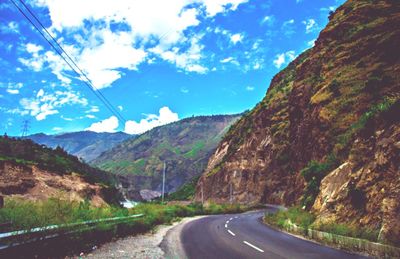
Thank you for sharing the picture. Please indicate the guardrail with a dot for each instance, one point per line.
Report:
(343, 242)
(51, 228)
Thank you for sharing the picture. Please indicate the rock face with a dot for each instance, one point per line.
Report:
(326, 135)
(185, 146)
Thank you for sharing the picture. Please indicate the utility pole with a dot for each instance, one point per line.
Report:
(230, 193)
(25, 128)
(202, 194)
(163, 183)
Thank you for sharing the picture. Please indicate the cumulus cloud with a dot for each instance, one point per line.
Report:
(284, 58)
(106, 125)
(151, 27)
(45, 104)
(152, 120)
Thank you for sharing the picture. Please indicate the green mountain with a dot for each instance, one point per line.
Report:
(84, 144)
(326, 136)
(184, 146)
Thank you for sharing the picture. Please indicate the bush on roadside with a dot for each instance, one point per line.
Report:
(296, 215)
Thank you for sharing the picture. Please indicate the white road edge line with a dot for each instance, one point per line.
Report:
(253, 246)
(230, 232)
(226, 226)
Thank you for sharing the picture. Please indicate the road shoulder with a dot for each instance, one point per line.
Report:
(171, 245)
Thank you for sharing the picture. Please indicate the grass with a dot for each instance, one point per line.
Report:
(197, 147)
(306, 220)
(313, 173)
(296, 215)
(25, 214)
(185, 192)
(349, 231)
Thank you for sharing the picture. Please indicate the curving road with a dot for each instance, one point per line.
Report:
(245, 236)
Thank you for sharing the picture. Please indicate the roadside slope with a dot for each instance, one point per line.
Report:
(336, 106)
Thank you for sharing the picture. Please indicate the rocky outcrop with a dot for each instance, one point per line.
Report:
(325, 135)
(366, 189)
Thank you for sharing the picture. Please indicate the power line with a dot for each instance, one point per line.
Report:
(71, 59)
(87, 82)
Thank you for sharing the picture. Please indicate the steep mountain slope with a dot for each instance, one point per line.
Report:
(31, 171)
(185, 146)
(84, 144)
(333, 116)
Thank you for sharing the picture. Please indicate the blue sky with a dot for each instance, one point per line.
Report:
(156, 61)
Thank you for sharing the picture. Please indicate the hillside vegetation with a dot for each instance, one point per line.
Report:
(326, 136)
(185, 146)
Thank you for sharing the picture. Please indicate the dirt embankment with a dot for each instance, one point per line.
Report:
(32, 183)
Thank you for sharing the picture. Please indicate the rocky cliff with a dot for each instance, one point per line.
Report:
(326, 135)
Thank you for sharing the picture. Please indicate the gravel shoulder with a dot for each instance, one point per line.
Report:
(163, 242)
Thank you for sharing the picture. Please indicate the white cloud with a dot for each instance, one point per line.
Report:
(250, 88)
(311, 25)
(311, 43)
(93, 109)
(45, 104)
(187, 60)
(57, 129)
(288, 28)
(235, 38)
(149, 25)
(13, 91)
(90, 116)
(226, 60)
(284, 58)
(184, 90)
(268, 20)
(120, 107)
(106, 125)
(11, 27)
(152, 120)
(217, 6)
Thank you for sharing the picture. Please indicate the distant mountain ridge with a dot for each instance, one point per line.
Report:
(185, 146)
(84, 144)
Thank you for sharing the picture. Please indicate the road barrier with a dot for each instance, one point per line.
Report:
(346, 243)
(51, 231)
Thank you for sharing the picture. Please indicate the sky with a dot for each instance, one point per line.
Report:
(155, 61)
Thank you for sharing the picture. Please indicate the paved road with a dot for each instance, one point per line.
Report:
(244, 236)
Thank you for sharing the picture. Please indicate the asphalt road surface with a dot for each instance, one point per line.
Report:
(245, 236)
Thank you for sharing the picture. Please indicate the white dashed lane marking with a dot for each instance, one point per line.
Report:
(230, 232)
(253, 246)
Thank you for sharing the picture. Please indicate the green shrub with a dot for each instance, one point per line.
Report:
(296, 215)
(313, 174)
